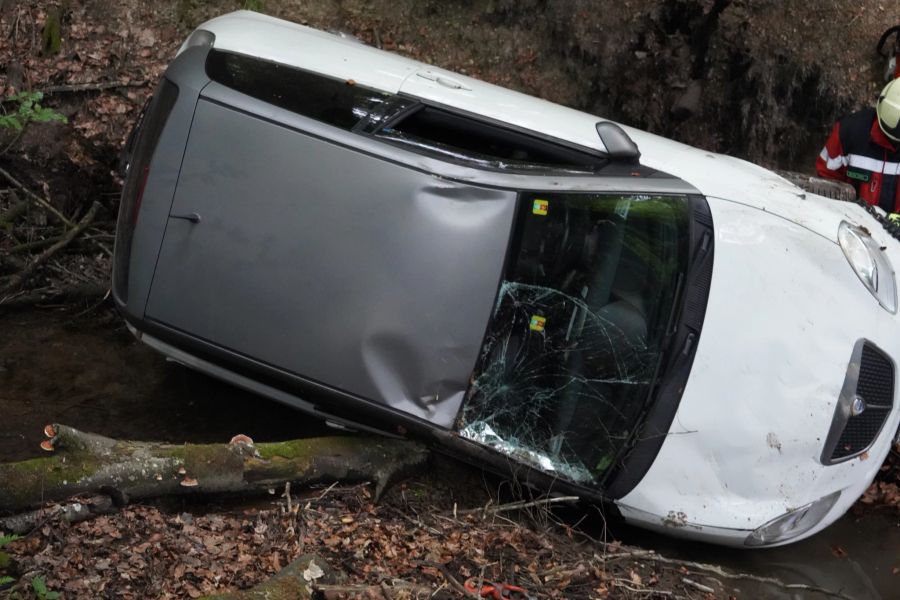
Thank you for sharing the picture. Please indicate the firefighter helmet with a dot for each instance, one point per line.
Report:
(888, 110)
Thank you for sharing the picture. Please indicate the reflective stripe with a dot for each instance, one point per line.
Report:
(833, 164)
(874, 165)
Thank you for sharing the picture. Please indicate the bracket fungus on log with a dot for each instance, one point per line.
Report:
(89, 463)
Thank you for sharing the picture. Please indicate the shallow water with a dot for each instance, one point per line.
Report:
(857, 556)
(90, 373)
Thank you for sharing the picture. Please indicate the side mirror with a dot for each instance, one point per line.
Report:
(618, 145)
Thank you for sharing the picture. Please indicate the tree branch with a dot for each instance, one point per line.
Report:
(37, 199)
(21, 277)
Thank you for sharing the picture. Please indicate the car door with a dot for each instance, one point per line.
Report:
(290, 248)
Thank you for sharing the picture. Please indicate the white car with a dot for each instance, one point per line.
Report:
(399, 248)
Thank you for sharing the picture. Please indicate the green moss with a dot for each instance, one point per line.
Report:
(202, 459)
(289, 450)
(305, 449)
(26, 481)
(51, 37)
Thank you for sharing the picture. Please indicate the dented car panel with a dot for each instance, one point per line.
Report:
(319, 253)
(395, 247)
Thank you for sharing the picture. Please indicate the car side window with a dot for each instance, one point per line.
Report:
(462, 138)
(339, 103)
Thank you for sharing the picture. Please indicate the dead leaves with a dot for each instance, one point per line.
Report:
(143, 552)
(885, 490)
(115, 48)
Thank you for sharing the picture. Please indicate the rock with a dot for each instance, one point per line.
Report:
(688, 103)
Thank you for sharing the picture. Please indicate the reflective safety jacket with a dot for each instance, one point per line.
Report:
(858, 152)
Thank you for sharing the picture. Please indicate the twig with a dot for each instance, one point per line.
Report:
(454, 583)
(327, 589)
(417, 522)
(40, 201)
(12, 143)
(81, 292)
(14, 211)
(328, 489)
(518, 505)
(36, 244)
(698, 586)
(93, 306)
(91, 86)
(737, 575)
(857, 15)
(21, 277)
(623, 583)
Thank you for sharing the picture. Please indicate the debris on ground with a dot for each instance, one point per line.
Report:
(415, 540)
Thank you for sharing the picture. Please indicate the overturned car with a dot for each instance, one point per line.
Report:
(399, 248)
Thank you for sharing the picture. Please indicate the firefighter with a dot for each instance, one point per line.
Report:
(864, 151)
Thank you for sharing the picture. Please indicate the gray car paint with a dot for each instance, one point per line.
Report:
(369, 268)
(189, 74)
(330, 263)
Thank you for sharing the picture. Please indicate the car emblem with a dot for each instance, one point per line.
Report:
(858, 406)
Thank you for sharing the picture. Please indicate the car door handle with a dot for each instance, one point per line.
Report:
(192, 217)
(443, 80)
(451, 83)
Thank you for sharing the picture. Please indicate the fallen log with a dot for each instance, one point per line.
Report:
(87, 463)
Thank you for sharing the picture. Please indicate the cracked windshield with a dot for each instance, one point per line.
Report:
(578, 330)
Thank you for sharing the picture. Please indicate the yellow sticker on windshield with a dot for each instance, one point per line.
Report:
(540, 207)
(537, 323)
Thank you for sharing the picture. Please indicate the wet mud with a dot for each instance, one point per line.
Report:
(90, 373)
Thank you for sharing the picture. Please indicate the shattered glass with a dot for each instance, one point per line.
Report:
(578, 330)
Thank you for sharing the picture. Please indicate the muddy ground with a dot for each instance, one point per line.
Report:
(762, 80)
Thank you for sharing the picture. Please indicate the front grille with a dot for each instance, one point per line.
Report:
(876, 377)
(875, 386)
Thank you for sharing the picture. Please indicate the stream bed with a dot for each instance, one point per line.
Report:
(88, 372)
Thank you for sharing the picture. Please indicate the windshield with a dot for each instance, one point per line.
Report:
(578, 329)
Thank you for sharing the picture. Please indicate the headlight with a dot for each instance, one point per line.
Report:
(869, 263)
(792, 524)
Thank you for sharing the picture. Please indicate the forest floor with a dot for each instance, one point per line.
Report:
(773, 76)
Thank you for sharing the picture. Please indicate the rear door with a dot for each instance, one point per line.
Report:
(331, 263)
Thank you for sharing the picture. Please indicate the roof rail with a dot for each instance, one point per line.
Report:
(618, 145)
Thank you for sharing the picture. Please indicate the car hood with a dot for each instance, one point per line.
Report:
(785, 310)
(729, 178)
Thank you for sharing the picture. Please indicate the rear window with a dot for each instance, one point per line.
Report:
(395, 119)
(331, 101)
(450, 135)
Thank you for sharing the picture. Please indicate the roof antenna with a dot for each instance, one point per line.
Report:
(618, 145)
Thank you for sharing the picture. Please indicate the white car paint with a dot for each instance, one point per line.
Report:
(785, 310)
(785, 307)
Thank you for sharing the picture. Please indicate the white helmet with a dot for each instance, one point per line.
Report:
(888, 110)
